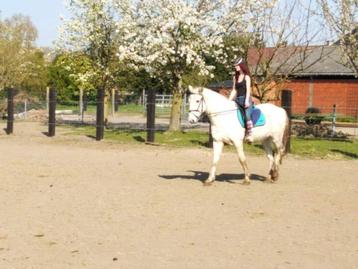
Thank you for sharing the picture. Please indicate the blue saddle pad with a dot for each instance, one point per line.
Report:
(258, 118)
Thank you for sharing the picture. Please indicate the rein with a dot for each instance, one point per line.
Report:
(222, 112)
(200, 110)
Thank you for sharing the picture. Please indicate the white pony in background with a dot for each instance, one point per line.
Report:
(226, 128)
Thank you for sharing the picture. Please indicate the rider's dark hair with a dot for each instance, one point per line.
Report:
(243, 68)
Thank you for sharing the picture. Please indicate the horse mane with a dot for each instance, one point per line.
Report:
(219, 98)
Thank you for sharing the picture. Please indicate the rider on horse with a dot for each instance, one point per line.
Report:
(241, 93)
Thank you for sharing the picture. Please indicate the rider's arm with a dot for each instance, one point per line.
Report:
(232, 95)
(248, 91)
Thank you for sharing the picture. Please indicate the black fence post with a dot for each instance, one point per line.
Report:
(52, 112)
(100, 115)
(151, 115)
(286, 103)
(10, 111)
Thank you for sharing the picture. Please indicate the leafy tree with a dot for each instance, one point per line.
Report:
(36, 80)
(22, 65)
(72, 73)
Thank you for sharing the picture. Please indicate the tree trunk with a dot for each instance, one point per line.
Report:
(175, 113)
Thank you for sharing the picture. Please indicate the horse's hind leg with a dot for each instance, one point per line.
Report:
(267, 144)
(242, 159)
(277, 158)
(218, 147)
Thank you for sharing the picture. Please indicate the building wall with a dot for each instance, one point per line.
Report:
(321, 93)
(324, 93)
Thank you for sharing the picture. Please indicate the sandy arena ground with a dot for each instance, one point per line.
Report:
(72, 202)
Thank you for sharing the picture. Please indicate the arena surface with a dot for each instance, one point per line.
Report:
(72, 202)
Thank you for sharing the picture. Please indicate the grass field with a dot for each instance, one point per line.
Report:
(123, 109)
(311, 148)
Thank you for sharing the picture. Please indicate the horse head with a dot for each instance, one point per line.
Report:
(197, 106)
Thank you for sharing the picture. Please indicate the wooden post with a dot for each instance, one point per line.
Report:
(151, 116)
(81, 104)
(334, 115)
(144, 101)
(85, 102)
(183, 111)
(100, 115)
(310, 93)
(113, 99)
(10, 111)
(84, 106)
(116, 102)
(25, 109)
(52, 112)
(286, 103)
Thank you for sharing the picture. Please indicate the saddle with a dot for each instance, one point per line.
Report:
(257, 117)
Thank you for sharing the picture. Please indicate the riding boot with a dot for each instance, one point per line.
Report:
(249, 125)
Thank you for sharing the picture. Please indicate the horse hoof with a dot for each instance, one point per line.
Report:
(273, 175)
(267, 180)
(246, 182)
(207, 183)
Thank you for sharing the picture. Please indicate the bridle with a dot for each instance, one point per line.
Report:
(199, 109)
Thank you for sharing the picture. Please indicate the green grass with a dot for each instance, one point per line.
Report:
(174, 139)
(124, 109)
(131, 108)
(310, 148)
(74, 108)
(320, 148)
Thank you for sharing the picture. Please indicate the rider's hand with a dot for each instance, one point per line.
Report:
(247, 103)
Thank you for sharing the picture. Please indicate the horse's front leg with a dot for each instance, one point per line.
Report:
(218, 147)
(242, 158)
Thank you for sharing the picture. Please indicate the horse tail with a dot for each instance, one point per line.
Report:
(285, 137)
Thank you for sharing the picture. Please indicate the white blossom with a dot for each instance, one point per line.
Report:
(179, 33)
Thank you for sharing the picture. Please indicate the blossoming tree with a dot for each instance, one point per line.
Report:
(169, 38)
(91, 29)
(342, 18)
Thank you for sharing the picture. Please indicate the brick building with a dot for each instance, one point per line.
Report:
(322, 82)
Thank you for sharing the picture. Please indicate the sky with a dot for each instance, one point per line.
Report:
(44, 14)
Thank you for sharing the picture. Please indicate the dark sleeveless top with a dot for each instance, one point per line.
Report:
(240, 87)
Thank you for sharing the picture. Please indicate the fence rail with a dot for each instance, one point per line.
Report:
(24, 108)
(333, 117)
(163, 103)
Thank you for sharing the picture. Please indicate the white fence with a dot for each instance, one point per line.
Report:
(164, 102)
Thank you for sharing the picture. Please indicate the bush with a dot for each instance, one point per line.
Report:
(317, 131)
(312, 116)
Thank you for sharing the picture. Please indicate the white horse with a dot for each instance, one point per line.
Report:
(226, 128)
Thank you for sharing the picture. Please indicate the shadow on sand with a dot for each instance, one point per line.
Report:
(345, 153)
(202, 176)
